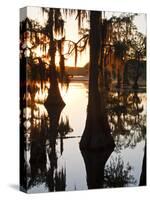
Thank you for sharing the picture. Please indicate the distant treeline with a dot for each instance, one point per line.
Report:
(131, 68)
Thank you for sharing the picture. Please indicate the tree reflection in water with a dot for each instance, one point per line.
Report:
(45, 131)
(63, 129)
(116, 174)
(56, 180)
(95, 163)
(42, 127)
(126, 118)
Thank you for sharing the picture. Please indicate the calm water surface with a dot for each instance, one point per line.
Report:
(127, 131)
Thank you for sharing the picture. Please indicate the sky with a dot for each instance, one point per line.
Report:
(71, 30)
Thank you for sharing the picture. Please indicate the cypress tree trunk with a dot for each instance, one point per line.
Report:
(97, 132)
(54, 96)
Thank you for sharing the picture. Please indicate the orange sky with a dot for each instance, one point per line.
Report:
(71, 30)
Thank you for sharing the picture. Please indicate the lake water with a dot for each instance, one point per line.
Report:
(124, 163)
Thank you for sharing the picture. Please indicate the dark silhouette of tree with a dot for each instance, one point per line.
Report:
(33, 68)
(23, 166)
(38, 155)
(126, 119)
(143, 178)
(43, 38)
(42, 146)
(94, 164)
(135, 72)
(55, 24)
(138, 46)
(55, 180)
(97, 131)
(60, 180)
(121, 41)
(63, 129)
